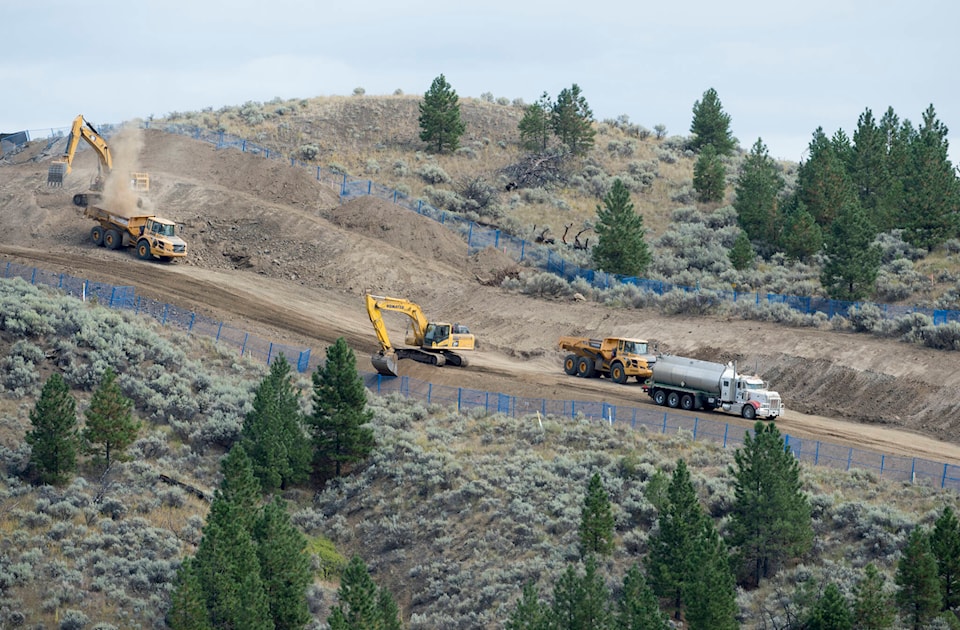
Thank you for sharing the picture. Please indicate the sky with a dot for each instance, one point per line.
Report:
(781, 70)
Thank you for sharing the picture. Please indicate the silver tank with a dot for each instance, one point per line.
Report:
(692, 373)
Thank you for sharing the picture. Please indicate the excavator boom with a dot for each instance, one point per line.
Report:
(433, 342)
(81, 129)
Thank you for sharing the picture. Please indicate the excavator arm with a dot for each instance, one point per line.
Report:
(378, 303)
(81, 129)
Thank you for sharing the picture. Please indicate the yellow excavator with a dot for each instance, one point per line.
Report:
(435, 343)
(62, 166)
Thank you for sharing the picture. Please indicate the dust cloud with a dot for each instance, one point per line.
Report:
(119, 194)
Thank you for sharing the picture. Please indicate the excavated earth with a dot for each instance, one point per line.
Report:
(273, 251)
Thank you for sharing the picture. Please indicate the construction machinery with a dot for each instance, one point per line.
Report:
(434, 343)
(684, 383)
(617, 358)
(62, 166)
(154, 237)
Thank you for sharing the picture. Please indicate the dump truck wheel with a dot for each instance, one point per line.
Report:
(617, 373)
(686, 402)
(748, 412)
(660, 397)
(570, 364)
(96, 233)
(673, 400)
(143, 250)
(112, 239)
(584, 367)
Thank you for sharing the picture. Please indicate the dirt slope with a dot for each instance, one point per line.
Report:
(274, 252)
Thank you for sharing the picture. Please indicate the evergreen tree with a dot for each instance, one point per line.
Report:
(741, 254)
(239, 485)
(54, 439)
(572, 121)
(284, 566)
(711, 125)
(620, 247)
(581, 602)
(758, 189)
(535, 127)
(670, 564)
(872, 606)
(440, 123)
(273, 434)
(945, 546)
(853, 260)
(596, 520)
(389, 611)
(110, 425)
(771, 518)
(229, 571)
(831, 612)
(918, 594)
(358, 607)
(711, 592)
(709, 176)
(801, 237)
(870, 173)
(530, 612)
(637, 607)
(340, 415)
(931, 200)
(188, 608)
(823, 184)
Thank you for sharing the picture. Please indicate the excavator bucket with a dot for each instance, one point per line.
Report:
(385, 363)
(56, 173)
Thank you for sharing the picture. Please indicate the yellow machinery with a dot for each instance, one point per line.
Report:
(614, 357)
(154, 237)
(62, 166)
(435, 343)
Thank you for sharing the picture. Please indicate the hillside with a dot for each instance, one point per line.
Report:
(274, 252)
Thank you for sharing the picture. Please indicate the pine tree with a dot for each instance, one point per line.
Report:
(831, 612)
(572, 121)
(530, 612)
(757, 200)
(711, 593)
(110, 425)
(853, 259)
(823, 183)
(771, 518)
(918, 594)
(54, 440)
(709, 176)
(534, 127)
(711, 125)
(870, 173)
(945, 546)
(389, 611)
(358, 602)
(872, 606)
(670, 563)
(596, 520)
(801, 237)
(239, 485)
(637, 607)
(340, 415)
(931, 200)
(229, 571)
(284, 566)
(741, 254)
(440, 122)
(273, 433)
(188, 608)
(581, 602)
(620, 247)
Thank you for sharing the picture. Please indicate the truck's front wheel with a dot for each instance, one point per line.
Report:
(143, 250)
(96, 233)
(748, 412)
(618, 374)
(112, 239)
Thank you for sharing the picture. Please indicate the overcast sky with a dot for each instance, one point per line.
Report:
(780, 69)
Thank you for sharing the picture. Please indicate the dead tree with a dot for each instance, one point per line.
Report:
(576, 240)
(542, 236)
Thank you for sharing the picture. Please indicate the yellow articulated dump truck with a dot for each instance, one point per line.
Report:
(617, 358)
(154, 237)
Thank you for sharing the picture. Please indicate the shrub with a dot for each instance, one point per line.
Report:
(308, 152)
(433, 174)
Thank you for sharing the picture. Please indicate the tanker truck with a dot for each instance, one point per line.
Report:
(679, 382)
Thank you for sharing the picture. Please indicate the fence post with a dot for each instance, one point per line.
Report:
(6, 274)
(726, 429)
(429, 392)
(943, 480)
(269, 353)
(33, 277)
(193, 318)
(244, 346)
(219, 329)
(816, 456)
(459, 398)
(882, 460)
(664, 423)
(523, 245)
(163, 320)
(849, 458)
(696, 421)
